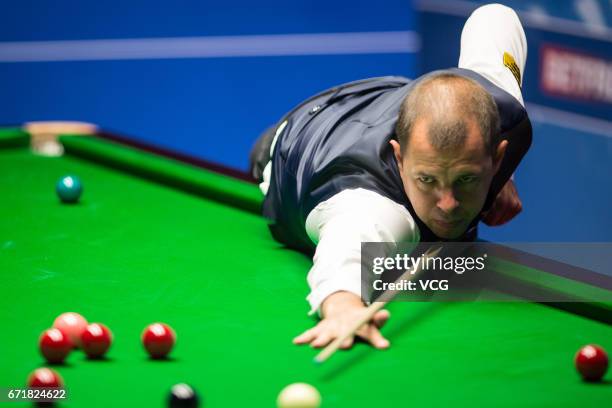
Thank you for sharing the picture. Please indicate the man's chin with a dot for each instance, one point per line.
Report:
(449, 232)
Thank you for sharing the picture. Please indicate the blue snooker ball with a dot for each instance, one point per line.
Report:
(69, 189)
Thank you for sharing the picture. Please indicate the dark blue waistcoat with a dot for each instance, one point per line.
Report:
(339, 139)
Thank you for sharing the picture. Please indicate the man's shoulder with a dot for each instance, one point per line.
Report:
(365, 85)
(397, 80)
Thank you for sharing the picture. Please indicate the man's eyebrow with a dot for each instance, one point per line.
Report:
(471, 170)
(423, 173)
(466, 171)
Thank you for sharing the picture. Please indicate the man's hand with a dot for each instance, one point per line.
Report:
(506, 206)
(340, 310)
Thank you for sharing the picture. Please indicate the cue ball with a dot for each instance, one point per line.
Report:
(69, 189)
(591, 362)
(45, 378)
(299, 395)
(73, 325)
(96, 340)
(183, 396)
(158, 339)
(54, 345)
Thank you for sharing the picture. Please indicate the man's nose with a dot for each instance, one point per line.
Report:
(447, 201)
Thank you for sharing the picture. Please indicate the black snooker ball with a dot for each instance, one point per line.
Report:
(69, 189)
(183, 396)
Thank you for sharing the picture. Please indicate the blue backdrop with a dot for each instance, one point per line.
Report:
(211, 107)
(213, 91)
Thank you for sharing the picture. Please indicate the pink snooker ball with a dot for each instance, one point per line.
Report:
(72, 325)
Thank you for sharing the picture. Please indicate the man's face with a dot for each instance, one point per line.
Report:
(447, 189)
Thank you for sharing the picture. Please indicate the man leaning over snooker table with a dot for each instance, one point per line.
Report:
(394, 160)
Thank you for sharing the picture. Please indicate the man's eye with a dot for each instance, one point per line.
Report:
(426, 179)
(467, 179)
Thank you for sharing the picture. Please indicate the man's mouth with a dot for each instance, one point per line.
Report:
(447, 224)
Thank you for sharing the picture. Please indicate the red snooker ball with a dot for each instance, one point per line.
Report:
(73, 325)
(54, 345)
(158, 339)
(45, 378)
(591, 362)
(96, 340)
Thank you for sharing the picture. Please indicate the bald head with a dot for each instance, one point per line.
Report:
(449, 104)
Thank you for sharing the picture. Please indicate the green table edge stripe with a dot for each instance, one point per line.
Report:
(13, 137)
(163, 170)
(581, 298)
(559, 284)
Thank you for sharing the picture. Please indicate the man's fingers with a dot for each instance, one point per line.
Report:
(380, 318)
(322, 340)
(306, 337)
(509, 213)
(347, 344)
(495, 219)
(518, 206)
(506, 206)
(373, 336)
(489, 216)
(326, 331)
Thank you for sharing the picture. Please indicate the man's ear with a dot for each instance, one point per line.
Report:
(499, 154)
(397, 152)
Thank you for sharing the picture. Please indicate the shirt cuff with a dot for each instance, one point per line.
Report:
(324, 289)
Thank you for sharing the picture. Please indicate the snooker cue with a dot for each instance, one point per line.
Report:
(371, 310)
